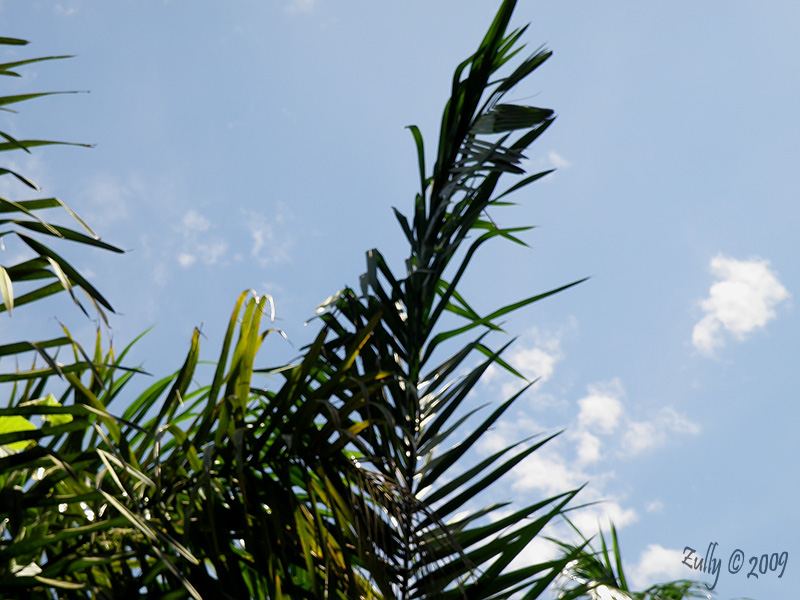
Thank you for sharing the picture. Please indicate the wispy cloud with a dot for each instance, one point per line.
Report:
(535, 355)
(588, 447)
(742, 300)
(212, 252)
(600, 431)
(199, 239)
(104, 199)
(656, 506)
(205, 248)
(557, 161)
(643, 435)
(67, 10)
(537, 359)
(194, 221)
(600, 516)
(657, 564)
(602, 413)
(30, 166)
(111, 197)
(301, 6)
(271, 242)
(186, 260)
(602, 408)
(601, 428)
(550, 471)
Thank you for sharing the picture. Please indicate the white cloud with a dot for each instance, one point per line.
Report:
(601, 515)
(547, 470)
(707, 335)
(271, 241)
(537, 361)
(198, 244)
(211, 253)
(742, 300)
(186, 260)
(601, 421)
(557, 161)
(642, 435)
(551, 470)
(500, 435)
(602, 413)
(588, 447)
(601, 429)
(535, 355)
(657, 564)
(194, 221)
(67, 11)
(656, 506)
(676, 422)
(538, 551)
(602, 409)
(161, 273)
(110, 198)
(301, 6)
(603, 592)
(30, 166)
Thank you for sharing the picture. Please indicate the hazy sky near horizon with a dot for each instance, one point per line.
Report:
(260, 144)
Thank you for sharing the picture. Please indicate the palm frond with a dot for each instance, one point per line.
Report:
(598, 573)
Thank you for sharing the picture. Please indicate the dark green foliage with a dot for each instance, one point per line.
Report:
(348, 474)
(593, 570)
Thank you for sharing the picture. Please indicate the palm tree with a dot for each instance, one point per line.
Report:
(37, 518)
(347, 473)
(423, 547)
(47, 273)
(334, 484)
(597, 574)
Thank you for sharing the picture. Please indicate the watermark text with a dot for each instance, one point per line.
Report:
(759, 565)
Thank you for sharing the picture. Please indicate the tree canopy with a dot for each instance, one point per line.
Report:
(350, 474)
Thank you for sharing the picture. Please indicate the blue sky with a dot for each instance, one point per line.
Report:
(261, 144)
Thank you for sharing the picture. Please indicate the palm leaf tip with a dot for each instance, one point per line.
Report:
(598, 574)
